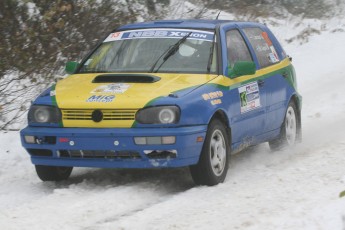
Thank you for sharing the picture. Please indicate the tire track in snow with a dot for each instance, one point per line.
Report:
(258, 194)
(92, 196)
(264, 189)
(291, 189)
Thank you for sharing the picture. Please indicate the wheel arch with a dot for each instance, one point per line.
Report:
(222, 116)
(203, 173)
(297, 101)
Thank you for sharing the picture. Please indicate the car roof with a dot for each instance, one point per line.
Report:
(188, 24)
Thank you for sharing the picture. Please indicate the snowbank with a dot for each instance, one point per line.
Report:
(293, 189)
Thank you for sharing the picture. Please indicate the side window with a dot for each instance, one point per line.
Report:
(262, 45)
(237, 48)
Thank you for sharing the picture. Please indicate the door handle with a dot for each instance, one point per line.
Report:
(285, 75)
(261, 83)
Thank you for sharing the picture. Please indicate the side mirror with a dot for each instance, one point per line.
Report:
(242, 68)
(71, 67)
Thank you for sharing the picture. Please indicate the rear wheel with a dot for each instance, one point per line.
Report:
(53, 173)
(214, 159)
(289, 130)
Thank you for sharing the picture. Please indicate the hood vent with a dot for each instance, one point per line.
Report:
(125, 78)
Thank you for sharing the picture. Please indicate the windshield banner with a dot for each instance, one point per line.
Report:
(160, 33)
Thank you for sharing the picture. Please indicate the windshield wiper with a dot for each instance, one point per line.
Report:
(168, 53)
(94, 70)
(210, 59)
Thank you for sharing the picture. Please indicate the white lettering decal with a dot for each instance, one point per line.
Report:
(135, 34)
(148, 34)
(161, 33)
(172, 34)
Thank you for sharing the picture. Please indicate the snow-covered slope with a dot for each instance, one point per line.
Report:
(294, 189)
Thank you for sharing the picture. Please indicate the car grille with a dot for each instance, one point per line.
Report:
(108, 114)
(105, 154)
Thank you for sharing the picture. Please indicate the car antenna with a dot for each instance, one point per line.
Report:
(218, 15)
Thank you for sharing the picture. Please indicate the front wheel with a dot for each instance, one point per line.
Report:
(214, 159)
(53, 173)
(289, 130)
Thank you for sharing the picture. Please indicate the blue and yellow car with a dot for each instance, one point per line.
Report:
(168, 93)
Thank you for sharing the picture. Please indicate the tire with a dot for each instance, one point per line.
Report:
(53, 173)
(289, 133)
(214, 159)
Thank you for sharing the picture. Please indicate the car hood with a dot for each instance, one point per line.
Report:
(81, 91)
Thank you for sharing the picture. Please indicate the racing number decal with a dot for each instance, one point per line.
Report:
(249, 97)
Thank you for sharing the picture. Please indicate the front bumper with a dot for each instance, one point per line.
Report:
(113, 148)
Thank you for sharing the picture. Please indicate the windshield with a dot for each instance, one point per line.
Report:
(146, 51)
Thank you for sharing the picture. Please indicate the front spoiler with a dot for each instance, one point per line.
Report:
(104, 139)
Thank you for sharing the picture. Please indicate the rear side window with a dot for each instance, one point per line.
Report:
(237, 48)
(263, 46)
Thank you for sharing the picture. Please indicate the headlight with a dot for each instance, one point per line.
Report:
(44, 114)
(158, 115)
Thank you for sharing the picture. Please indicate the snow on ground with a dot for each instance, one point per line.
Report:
(294, 189)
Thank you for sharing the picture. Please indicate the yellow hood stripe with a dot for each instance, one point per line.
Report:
(73, 95)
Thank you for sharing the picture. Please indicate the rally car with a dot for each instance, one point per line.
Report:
(170, 93)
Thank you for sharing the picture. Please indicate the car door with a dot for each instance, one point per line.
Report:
(272, 79)
(247, 96)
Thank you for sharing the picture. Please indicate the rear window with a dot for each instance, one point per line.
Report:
(263, 46)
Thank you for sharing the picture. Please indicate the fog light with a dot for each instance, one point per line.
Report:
(154, 140)
(30, 139)
(140, 140)
(168, 140)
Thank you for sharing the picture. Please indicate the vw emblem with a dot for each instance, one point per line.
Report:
(97, 115)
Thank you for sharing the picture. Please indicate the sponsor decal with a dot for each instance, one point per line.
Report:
(116, 35)
(115, 88)
(216, 102)
(249, 97)
(252, 96)
(263, 48)
(101, 98)
(160, 33)
(213, 97)
(255, 37)
(273, 56)
(267, 39)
